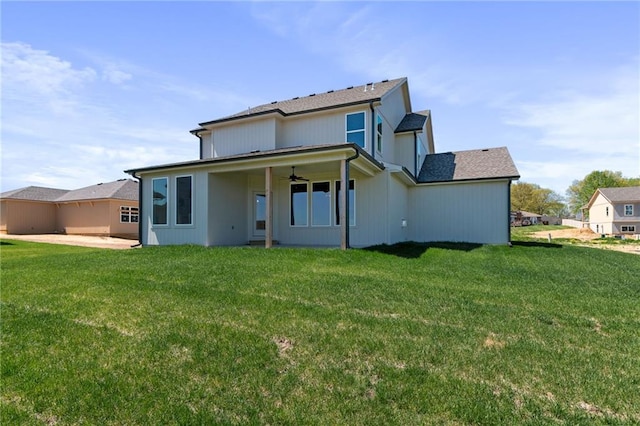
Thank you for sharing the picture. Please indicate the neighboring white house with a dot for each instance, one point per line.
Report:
(277, 173)
(615, 211)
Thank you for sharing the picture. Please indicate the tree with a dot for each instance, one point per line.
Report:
(580, 191)
(532, 198)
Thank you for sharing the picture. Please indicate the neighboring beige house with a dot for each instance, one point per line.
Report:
(349, 167)
(109, 209)
(615, 211)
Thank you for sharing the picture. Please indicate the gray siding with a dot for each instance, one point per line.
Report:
(317, 129)
(172, 234)
(240, 139)
(463, 212)
(227, 209)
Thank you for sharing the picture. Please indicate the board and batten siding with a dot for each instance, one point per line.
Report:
(242, 138)
(318, 129)
(172, 234)
(475, 212)
(228, 209)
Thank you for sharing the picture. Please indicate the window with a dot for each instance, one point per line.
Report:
(355, 128)
(628, 228)
(321, 204)
(379, 132)
(352, 203)
(183, 200)
(628, 209)
(160, 199)
(606, 211)
(129, 214)
(299, 204)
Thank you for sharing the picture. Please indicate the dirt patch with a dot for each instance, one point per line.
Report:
(586, 235)
(76, 240)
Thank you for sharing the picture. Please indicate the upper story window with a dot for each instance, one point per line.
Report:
(356, 128)
(606, 211)
(160, 200)
(378, 133)
(183, 200)
(628, 209)
(129, 214)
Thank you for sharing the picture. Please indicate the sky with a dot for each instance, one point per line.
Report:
(90, 89)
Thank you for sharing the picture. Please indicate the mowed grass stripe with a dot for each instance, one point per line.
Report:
(408, 334)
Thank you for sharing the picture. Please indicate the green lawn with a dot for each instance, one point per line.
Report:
(449, 334)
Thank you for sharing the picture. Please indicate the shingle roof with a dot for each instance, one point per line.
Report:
(124, 189)
(34, 193)
(319, 101)
(617, 195)
(468, 165)
(412, 121)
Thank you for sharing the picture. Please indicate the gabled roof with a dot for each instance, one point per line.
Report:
(318, 101)
(34, 193)
(123, 189)
(474, 164)
(413, 121)
(623, 194)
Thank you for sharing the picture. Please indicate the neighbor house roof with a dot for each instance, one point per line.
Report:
(474, 164)
(412, 122)
(34, 193)
(370, 92)
(123, 189)
(616, 195)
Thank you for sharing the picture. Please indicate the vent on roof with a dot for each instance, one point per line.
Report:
(274, 102)
(313, 94)
(330, 91)
(350, 87)
(100, 183)
(385, 81)
(485, 150)
(297, 97)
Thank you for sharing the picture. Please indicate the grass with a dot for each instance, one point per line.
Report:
(410, 334)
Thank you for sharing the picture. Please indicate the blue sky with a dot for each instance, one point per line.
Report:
(90, 89)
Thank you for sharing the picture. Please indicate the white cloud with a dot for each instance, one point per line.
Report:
(601, 123)
(38, 71)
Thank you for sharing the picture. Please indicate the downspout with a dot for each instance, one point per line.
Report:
(346, 189)
(200, 143)
(509, 211)
(415, 154)
(139, 209)
(373, 131)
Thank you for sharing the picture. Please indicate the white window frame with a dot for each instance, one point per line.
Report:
(129, 212)
(337, 203)
(292, 225)
(176, 216)
(629, 228)
(606, 211)
(364, 127)
(630, 213)
(168, 210)
(313, 224)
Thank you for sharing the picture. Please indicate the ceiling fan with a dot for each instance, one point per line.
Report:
(294, 178)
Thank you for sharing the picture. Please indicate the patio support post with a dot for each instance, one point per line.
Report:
(344, 197)
(268, 239)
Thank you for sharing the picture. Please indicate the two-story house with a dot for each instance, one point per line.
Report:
(615, 211)
(351, 167)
